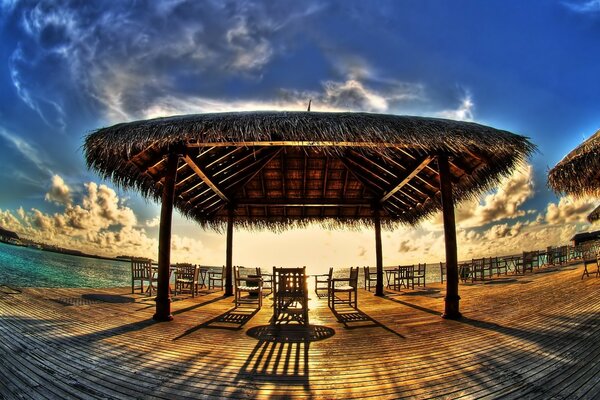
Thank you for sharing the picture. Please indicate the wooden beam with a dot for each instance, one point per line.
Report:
(229, 255)
(452, 298)
(163, 299)
(369, 160)
(297, 143)
(224, 156)
(303, 202)
(264, 160)
(361, 178)
(378, 253)
(404, 181)
(205, 178)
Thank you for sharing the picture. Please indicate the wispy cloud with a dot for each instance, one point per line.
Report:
(464, 111)
(584, 7)
(29, 151)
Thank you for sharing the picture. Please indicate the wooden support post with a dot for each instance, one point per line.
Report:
(378, 254)
(452, 298)
(163, 297)
(229, 256)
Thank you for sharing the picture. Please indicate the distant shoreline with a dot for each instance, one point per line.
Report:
(69, 252)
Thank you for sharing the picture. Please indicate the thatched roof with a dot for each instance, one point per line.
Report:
(577, 173)
(282, 169)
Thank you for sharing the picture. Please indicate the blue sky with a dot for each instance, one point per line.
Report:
(68, 67)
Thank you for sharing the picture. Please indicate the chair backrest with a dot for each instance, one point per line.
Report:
(289, 282)
(478, 263)
(187, 271)
(353, 279)
(140, 268)
(367, 275)
(421, 269)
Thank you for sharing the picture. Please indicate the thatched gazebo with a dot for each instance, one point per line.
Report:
(280, 170)
(577, 173)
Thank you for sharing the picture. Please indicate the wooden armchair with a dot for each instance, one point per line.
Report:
(252, 285)
(419, 274)
(290, 294)
(267, 280)
(370, 277)
(215, 277)
(404, 276)
(530, 260)
(186, 278)
(141, 270)
(590, 265)
(350, 288)
(478, 267)
(322, 282)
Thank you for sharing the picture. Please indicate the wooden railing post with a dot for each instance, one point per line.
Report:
(452, 298)
(163, 297)
(378, 253)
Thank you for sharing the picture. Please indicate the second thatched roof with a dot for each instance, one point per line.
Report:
(578, 173)
(282, 169)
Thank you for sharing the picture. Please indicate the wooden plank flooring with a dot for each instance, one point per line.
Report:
(528, 337)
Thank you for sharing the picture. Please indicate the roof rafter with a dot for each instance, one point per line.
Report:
(407, 179)
(205, 178)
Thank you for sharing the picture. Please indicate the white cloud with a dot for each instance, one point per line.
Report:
(503, 203)
(153, 223)
(569, 210)
(100, 224)
(27, 150)
(464, 112)
(59, 192)
(584, 7)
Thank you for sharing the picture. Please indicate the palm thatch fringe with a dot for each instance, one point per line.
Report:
(109, 151)
(577, 174)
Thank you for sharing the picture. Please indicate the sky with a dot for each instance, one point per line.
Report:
(70, 67)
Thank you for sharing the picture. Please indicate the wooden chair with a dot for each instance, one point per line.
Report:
(216, 276)
(351, 288)
(498, 266)
(419, 274)
(442, 271)
(405, 276)
(530, 260)
(290, 294)
(322, 282)
(267, 280)
(369, 277)
(594, 267)
(186, 278)
(478, 268)
(141, 269)
(252, 285)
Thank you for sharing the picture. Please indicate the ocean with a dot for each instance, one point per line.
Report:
(28, 267)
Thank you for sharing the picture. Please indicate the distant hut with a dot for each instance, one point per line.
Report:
(8, 236)
(280, 170)
(584, 237)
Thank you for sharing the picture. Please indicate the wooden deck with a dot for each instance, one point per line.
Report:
(534, 336)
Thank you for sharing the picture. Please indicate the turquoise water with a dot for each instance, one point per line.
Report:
(26, 267)
(23, 266)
